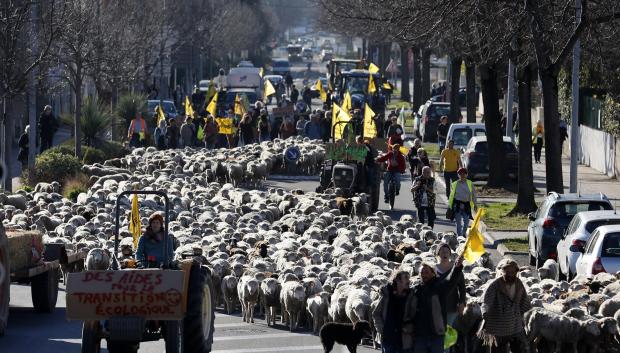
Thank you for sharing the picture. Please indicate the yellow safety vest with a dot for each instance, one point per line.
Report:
(470, 186)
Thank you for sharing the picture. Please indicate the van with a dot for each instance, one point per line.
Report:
(246, 78)
(461, 133)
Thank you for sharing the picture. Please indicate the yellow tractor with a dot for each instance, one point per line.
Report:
(138, 302)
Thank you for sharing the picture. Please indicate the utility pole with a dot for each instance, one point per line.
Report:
(574, 126)
(32, 93)
(510, 99)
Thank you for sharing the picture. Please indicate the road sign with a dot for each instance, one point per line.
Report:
(292, 154)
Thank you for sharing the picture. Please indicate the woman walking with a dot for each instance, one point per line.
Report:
(395, 298)
(211, 132)
(424, 196)
(537, 139)
(246, 130)
(264, 128)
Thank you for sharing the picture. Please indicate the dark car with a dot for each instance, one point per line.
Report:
(475, 158)
(549, 222)
(429, 115)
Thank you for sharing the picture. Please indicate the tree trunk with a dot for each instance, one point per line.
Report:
(492, 122)
(553, 153)
(9, 131)
(525, 196)
(426, 75)
(404, 73)
(77, 134)
(455, 77)
(417, 78)
(472, 97)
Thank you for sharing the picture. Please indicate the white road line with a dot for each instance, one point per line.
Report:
(270, 349)
(240, 324)
(262, 336)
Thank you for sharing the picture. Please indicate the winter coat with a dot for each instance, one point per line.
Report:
(381, 313)
(47, 125)
(151, 245)
(399, 166)
(188, 131)
(503, 316)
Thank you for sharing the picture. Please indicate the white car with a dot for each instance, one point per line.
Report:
(601, 253)
(577, 234)
(461, 133)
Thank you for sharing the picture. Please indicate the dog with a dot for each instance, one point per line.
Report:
(349, 335)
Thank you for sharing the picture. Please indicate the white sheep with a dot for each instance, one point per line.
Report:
(318, 306)
(248, 291)
(292, 301)
(549, 270)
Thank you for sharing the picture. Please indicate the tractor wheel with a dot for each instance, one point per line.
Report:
(172, 336)
(122, 347)
(5, 283)
(198, 324)
(44, 291)
(91, 337)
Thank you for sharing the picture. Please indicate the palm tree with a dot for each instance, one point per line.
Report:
(94, 121)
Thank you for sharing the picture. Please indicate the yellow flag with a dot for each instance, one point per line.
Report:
(135, 227)
(346, 102)
(370, 129)
(268, 89)
(373, 69)
(371, 84)
(160, 114)
(210, 92)
(239, 107)
(322, 93)
(404, 150)
(225, 126)
(212, 107)
(339, 117)
(189, 110)
(387, 85)
(474, 247)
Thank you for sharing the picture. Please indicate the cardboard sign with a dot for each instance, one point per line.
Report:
(150, 294)
(225, 126)
(282, 112)
(346, 153)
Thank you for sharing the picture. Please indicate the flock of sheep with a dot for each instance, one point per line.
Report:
(297, 256)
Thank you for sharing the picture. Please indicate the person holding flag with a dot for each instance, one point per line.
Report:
(150, 252)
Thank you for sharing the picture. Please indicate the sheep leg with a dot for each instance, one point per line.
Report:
(252, 305)
(243, 310)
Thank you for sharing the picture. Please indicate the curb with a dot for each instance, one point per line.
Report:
(504, 251)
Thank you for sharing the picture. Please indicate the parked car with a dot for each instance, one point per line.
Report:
(169, 108)
(280, 67)
(577, 234)
(548, 223)
(307, 53)
(430, 113)
(601, 253)
(475, 158)
(461, 133)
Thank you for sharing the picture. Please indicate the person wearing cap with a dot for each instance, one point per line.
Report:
(47, 127)
(450, 162)
(442, 132)
(462, 201)
(151, 244)
(504, 302)
(395, 167)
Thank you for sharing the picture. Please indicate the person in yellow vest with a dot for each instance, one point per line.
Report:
(136, 134)
(450, 162)
(462, 201)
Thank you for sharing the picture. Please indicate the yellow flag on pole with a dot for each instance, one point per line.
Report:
(373, 69)
(160, 114)
(210, 92)
(322, 93)
(371, 84)
(212, 107)
(339, 117)
(135, 227)
(189, 110)
(474, 247)
(239, 107)
(268, 89)
(370, 129)
(346, 102)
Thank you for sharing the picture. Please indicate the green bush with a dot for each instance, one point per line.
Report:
(611, 116)
(74, 186)
(129, 104)
(27, 188)
(53, 167)
(62, 149)
(110, 150)
(93, 155)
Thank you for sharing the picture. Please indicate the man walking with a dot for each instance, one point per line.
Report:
(47, 127)
(442, 132)
(395, 298)
(504, 303)
(462, 201)
(449, 162)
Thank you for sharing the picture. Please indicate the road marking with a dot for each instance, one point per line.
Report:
(262, 336)
(240, 324)
(270, 349)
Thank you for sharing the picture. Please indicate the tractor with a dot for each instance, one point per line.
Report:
(344, 167)
(140, 302)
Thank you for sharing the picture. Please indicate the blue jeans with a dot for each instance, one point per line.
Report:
(441, 143)
(428, 345)
(462, 221)
(387, 176)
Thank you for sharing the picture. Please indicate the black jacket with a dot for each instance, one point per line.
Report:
(47, 125)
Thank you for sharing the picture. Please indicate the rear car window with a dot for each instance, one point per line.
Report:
(592, 242)
(574, 225)
(591, 226)
(280, 64)
(439, 110)
(570, 209)
(482, 147)
(461, 136)
(611, 245)
(480, 132)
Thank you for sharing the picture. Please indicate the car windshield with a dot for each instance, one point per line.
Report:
(440, 110)
(611, 245)
(566, 210)
(280, 64)
(461, 136)
(591, 226)
(357, 85)
(293, 50)
(481, 147)
(344, 66)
